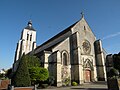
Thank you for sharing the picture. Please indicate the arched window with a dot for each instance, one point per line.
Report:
(88, 64)
(84, 28)
(27, 36)
(65, 59)
(30, 37)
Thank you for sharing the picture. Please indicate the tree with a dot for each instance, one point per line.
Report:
(113, 73)
(38, 74)
(8, 73)
(2, 76)
(116, 61)
(32, 61)
(21, 77)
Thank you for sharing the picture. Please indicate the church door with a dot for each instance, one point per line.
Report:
(87, 75)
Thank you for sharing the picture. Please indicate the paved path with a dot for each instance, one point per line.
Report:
(86, 86)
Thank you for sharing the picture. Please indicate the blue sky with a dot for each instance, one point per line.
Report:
(49, 17)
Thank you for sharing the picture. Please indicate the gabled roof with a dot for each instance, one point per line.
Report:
(58, 35)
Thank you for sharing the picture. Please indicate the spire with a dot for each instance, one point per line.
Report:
(82, 13)
(30, 23)
(29, 26)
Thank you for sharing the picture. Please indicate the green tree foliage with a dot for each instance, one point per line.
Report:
(21, 77)
(38, 74)
(116, 61)
(2, 76)
(32, 61)
(9, 73)
(74, 83)
(113, 73)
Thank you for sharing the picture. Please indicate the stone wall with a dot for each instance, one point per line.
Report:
(55, 68)
(100, 61)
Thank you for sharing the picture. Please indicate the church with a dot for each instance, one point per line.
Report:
(73, 54)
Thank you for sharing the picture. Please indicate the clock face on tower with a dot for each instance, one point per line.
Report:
(86, 47)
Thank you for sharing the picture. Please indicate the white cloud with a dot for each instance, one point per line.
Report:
(110, 36)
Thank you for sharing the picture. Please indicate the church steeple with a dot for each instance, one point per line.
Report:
(27, 42)
(29, 26)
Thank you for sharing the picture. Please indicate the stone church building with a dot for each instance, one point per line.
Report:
(73, 54)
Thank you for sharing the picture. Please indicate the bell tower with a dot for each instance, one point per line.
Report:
(27, 42)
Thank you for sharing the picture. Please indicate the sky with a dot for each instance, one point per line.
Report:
(50, 17)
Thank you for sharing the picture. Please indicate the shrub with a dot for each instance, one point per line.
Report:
(74, 83)
(2, 76)
(32, 61)
(67, 81)
(44, 85)
(21, 77)
(113, 73)
(38, 74)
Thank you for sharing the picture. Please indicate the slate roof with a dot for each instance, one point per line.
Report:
(30, 28)
(58, 35)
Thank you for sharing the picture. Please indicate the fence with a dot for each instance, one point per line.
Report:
(4, 84)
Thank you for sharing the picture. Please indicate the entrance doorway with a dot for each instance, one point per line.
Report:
(87, 75)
